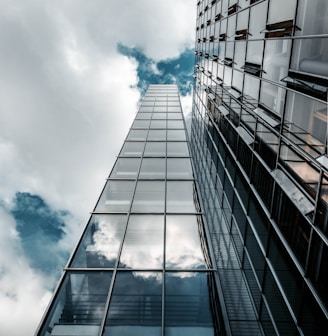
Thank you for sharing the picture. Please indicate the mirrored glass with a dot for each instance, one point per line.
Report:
(142, 116)
(174, 115)
(157, 135)
(136, 305)
(160, 108)
(126, 168)
(132, 149)
(100, 242)
(183, 245)
(155, 149)
(79, 306)
(176, 135)
(141, 124)
(152, 169)
(143, 242)
(179, 169)
(177, 149)
(146, 109)
(159, 116)
(173, 109)
(158, 124)
(175, 124)
(116, 196)
(137, 135)
(187, 304)
(180, 197)
(149, 197)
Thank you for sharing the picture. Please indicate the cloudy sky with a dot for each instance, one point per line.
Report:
(71, 75)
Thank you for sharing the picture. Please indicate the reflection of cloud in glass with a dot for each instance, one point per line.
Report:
(100, 244)
(143, 245)
(183, 246)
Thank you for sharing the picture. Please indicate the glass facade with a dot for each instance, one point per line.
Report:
(142, 266)
(259, 148)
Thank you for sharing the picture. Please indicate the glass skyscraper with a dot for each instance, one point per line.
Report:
(259, 147)
(142, 266)
(223, 231)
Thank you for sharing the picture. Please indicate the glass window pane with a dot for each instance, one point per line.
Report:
(160, 108)
(175, 124)
(183, 245)
(126, 168)
(149, 197)
(176, 135)
(180, 197)
(187, 304)
(137, 135)
(177, 149)
(159, 116)
(101, 241)
(179, 169)
(80, 304)
(174, 109)
(174, 115)
(157, 135)
(158, 124)
(141, 124)
(143, 116)
(116, 196)
(152, 169)
(155, 149)
(281, 10)
(132, 149)
(136, 305)
(143, 242)
(146, 109)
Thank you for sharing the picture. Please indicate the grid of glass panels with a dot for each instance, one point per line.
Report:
(259, 144)
(142, 266)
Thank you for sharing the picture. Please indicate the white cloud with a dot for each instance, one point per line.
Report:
(67, 101)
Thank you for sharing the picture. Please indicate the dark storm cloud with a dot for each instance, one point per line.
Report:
(177, 70)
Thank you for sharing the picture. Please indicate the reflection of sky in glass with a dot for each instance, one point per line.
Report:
(136, 305)
(143, 244)
(183, 247)
(187, 305)
(100, 244)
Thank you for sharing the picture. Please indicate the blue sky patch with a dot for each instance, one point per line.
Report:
(40, 229)
(171, 71)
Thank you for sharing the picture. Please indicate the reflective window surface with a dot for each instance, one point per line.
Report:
(136, 305)
(116, 196)
(143, 243)
(101, 241)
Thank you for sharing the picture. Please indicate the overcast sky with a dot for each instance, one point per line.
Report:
(71, 75)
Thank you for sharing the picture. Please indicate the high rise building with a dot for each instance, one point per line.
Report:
(142, 266)
(259, 147)
(226, 234)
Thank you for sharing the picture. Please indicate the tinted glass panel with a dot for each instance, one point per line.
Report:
(143, 243)
(137, 135)
(157, 135)
(187, 305)
(152, 169)
(136, 305)
(126, 168)
(176, 135)
(180, 197)
(155, 149)
(116, 196)
(179, 169)
(132, 148)
(183, 246)
(149, 197)
(177, 149)
(101, 241)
